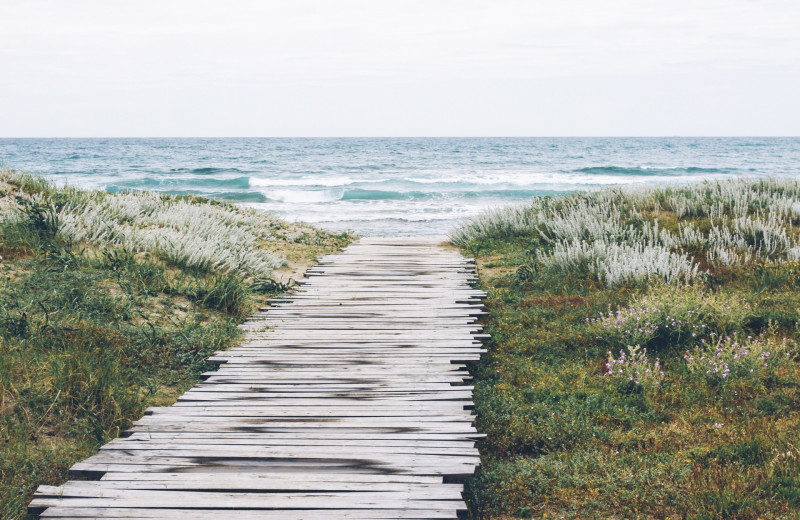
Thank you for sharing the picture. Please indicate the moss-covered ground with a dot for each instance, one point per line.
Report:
(705, 424)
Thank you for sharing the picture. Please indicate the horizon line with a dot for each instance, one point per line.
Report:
(646, 136)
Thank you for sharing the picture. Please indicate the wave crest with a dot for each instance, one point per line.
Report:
(648, 172)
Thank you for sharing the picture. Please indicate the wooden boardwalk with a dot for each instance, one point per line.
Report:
(346, 400)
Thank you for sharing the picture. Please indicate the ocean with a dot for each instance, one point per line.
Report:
(391, 186)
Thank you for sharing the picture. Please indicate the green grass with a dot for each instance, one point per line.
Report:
(93, 333)
(567, 440)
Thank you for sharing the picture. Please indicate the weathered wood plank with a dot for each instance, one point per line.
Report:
(73, 513)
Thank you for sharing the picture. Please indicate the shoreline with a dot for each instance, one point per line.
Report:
(394, 186)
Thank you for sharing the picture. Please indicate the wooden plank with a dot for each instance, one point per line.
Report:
(257, 427)
(150, 440)
(289, 487)
(309, 479)
(166, 449)
(186, 412)
(235, 467)
(343, 437)
(200, 500)
(73, 513)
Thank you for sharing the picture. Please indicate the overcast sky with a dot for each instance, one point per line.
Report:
(399, 67)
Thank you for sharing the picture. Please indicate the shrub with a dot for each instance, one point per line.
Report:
(730, 358)
(203, 235)
(615, 235)
(29, 227)
(228, 292)
(615, 263)
(632, 370)
(669, 316)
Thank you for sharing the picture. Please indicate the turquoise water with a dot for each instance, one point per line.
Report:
(390, 186)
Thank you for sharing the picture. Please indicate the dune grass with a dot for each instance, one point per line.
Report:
(112, 303)
(644, 359)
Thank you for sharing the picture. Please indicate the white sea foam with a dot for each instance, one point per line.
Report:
(319, 180)
(375, 211)
(543, 180)
(304, 196)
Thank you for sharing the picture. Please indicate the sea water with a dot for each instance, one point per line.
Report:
(392, 186)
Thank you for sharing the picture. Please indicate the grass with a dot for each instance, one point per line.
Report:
(93, 331)
(641, 396)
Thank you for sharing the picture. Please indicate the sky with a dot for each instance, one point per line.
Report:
(399, 68)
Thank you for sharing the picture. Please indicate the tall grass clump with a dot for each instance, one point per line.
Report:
(228, 292)
(112, 303)
(620, 235)
(614, 263)
(644, 359)
(185, 231)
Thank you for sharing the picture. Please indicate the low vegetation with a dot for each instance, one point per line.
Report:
(110, 303)
(644, 359)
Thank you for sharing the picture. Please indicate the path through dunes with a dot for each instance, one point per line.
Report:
(346, 400)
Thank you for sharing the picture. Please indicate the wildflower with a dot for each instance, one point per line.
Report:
(635, 367)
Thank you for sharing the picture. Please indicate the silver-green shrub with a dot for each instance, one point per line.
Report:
(607, 232)
(205, 235)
